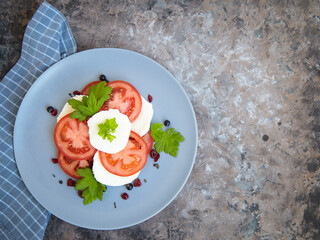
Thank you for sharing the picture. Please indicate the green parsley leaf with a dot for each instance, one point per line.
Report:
(167, 141)
(85, 110)
(85, 100)
(74, 103)
(91, 188)
(100, 91)
(78, 115)
(108, 127)
(91, 104)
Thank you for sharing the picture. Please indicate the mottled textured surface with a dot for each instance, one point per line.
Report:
(250, 68)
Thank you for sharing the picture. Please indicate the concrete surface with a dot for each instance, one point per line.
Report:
(251, 71)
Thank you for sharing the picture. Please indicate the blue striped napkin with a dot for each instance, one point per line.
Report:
(47, 39)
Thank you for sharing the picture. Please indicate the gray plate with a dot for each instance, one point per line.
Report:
(34, 146)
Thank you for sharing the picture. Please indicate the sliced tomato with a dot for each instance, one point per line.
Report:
(125, 98)
(70, 166)
(149, 140)
(72, 139)
(128, 161)
(85, 90)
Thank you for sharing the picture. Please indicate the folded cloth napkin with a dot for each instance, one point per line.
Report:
(47, 39)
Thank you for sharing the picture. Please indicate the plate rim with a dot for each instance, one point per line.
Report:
(75, 55)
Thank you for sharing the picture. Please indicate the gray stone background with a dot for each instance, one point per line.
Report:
(250, 68)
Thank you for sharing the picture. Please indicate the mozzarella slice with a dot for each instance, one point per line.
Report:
(105, 177)
(67, 108)
(121, 133)
(142, 124)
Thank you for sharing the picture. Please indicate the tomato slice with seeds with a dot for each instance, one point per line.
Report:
(128, 161)
(125, 98)
(85, 90)
(72, 139)
(70, 166)
(149, 140)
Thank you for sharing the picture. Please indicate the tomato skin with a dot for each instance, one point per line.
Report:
(85, 90)
(72, 139)
(128, 161)
(125, 98)
(70, 166)
(149, 140)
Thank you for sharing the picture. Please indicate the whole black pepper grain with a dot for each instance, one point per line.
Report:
(103, 77)
(50, 109)
(265, 138)
(129, 186)
(60, 181)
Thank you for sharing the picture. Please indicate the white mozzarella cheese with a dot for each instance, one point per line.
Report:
(121, 133)
(67, 108)
(142, 124)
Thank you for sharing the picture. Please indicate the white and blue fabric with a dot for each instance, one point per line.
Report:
(47, 40)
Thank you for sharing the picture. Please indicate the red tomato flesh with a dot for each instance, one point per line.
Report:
(85, 90)
(72, 139)
(125, 98)
(70, 166)
(128, 161)
(149, 140)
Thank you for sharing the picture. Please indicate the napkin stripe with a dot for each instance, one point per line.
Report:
(38, 22)
(19, 75)
(6, 232)
(32, 41)
(2, 94)
(27, 70)
(5, 166)
(30, 55)
(6, 144)
(23, 219)
(13, 103)
(8, 219)
(13, 93)
(38, 51)
(11, 124)
(47, 39)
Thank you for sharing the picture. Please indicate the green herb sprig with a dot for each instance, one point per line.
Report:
(108, 127)
(91, 104)
(167, 141)
(90, 187)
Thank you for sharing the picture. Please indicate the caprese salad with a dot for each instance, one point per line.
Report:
(103, 136)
